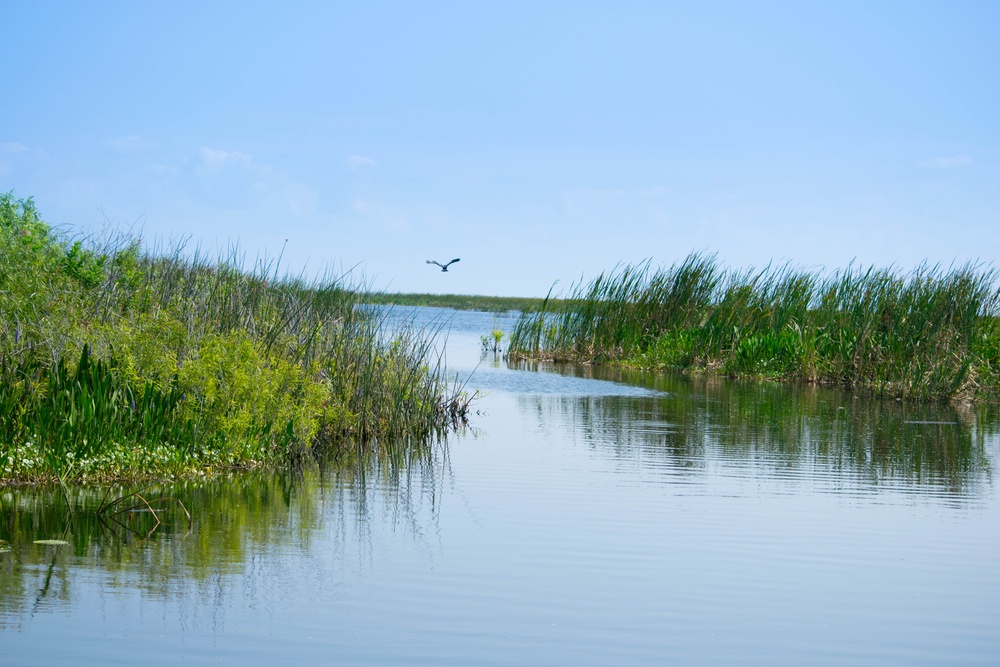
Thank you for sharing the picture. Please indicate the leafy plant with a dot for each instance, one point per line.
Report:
(492, 341)
(120, 362)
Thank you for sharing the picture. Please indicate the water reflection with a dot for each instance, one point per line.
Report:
(592, 516)
(242, 527)
(690, 422)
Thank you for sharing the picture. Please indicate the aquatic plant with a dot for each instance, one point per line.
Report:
(119, 361)
(927, 334)
(491, 342)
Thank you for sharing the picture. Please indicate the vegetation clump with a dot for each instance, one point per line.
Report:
(929, 334)
(120, 363)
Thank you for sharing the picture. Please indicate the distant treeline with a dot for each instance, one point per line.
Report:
(489, 304)
(116, 362)
(928, 334)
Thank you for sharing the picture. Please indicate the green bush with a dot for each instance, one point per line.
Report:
(773, 354)
(117, 362)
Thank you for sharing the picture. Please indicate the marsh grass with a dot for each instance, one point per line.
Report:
(489, 304)
(927, 334)
(116, 361)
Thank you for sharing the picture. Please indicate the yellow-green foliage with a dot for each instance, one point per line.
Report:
(188, 363)
(146, 346)
(239, 395)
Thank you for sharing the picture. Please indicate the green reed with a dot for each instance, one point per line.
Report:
(118, 361)
(928, 334)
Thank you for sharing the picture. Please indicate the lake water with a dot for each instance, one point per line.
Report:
(585, 517)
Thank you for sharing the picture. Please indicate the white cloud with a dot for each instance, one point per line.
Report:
(300, 198)
(593, 196)
(131, 143)
(217, 159)
(945, 162)
(393, 219)
(612, 203)
(12, 147)
(236, 179)
(360, 162)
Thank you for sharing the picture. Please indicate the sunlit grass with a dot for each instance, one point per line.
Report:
(931, 333)
(121, 362)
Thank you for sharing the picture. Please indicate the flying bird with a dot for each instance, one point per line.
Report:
(444, 267)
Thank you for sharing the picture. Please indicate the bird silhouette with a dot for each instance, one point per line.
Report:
(444, 267)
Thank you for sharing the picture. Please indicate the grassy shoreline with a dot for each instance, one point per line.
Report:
(929, 334)
(488, 304)
(117, 363)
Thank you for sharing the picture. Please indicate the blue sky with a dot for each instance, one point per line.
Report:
(538, 141)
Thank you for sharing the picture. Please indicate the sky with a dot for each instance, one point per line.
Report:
(540, 142)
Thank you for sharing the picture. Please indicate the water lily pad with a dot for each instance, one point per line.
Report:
(51, 542)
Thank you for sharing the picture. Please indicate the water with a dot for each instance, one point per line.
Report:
(587, 517)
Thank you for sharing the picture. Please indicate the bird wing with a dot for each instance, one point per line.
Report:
(453, 261)
(431, 261)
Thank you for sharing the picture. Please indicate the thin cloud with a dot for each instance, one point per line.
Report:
(299, 198)
(653, 191)
(942, 162)
(217, 158)
(388, 217)
(592, 195)
(12, 147)
(361, 162)
(232, 176)
(131, 143)
(602, 201)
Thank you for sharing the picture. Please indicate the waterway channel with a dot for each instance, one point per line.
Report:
(585, 517)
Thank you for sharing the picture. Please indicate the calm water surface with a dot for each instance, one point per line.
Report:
(585, 518)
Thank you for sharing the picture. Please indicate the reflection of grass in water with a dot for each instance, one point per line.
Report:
(314, 511)
(121, 363)
(808, 431)
(928, 334)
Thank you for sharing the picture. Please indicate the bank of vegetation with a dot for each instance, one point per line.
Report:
(488, 304)
(929, 334)
(121, 363)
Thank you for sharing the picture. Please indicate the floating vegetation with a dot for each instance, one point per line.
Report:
(929, 334)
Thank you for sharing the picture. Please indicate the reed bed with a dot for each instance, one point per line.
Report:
(117, 362)
(488, 304)
(930, 334)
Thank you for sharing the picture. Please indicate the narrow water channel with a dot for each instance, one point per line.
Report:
(586, 517)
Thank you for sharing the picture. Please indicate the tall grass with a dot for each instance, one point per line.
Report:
(115, 361)
(928, 334)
